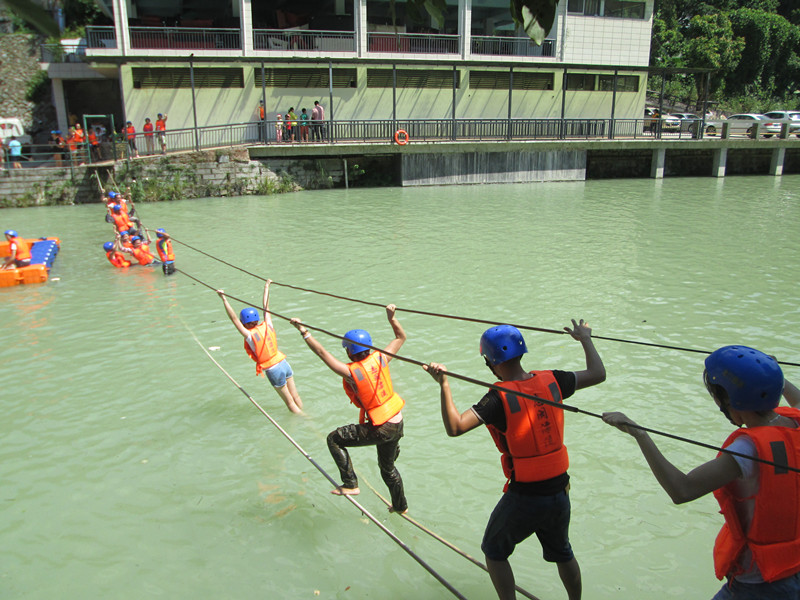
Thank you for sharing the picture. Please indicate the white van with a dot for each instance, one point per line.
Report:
(13, 128)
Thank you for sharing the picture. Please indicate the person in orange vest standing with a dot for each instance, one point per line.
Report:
(121, 220)
(261, 344)
(165, 253)
(149, 142)
(80, 141)
(367, 383)
(161, 132)
(94, 145)
(529, 435)
(20, 251)
(130, 135)
(758, 548)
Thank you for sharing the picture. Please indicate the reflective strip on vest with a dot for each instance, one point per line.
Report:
(374, 392)
(266, 352)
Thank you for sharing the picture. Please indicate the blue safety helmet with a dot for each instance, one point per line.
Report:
(108, 246)
(249, 315)
(112, 194)
(752, 380)
(354, 339)
(502, 343)
(136, 238)
(160, 232)
(116, 208)
(11, 232)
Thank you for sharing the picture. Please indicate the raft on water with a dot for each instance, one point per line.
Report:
(43, 253)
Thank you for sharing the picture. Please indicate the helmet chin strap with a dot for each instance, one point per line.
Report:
(724, 409)
(491, 368)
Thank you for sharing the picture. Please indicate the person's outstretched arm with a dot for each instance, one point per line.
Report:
(233, 316)
(455, 423)
(791, 393)
(333, 363)
(399, 333)
(681, 487)
(595, 371)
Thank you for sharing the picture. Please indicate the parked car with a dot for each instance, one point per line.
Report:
(686, 120)
(787, 116)
(742, 124)
(668, 122)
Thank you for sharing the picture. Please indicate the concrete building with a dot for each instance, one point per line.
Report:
(218, 58)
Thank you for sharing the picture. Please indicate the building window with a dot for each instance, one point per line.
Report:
(180, 77)
(581, 82)
(304, 78)
(625, 83)
(412, 78)
(498, 80)
(625, 9)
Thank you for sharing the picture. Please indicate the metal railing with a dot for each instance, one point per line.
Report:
(291, 40)
(101, 37)
(58, 53)
(412, 43)
(508, 46)
(184, 38)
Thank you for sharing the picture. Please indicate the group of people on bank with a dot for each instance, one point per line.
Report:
(132, 241)
(296, 128)
(755, 479)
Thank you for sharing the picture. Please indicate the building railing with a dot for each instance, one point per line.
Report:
(412, 43)
(101, 37)
(381, 131)
(58, 53)
(290, 40)
(184, 38)
(508, 46)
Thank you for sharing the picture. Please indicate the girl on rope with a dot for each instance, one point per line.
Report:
(367, 383)
(261, 344)
(758, 548)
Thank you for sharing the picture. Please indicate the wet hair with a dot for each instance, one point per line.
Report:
(359, 356)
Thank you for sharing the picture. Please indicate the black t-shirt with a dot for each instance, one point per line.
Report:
(490, 411)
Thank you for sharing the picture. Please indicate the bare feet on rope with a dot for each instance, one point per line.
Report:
(343, 491)
(392, 509)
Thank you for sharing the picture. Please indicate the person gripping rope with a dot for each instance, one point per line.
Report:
(261, 344)
(529, 435)
(115, 257)
(758, 547)
(165, 253)
(367, 383)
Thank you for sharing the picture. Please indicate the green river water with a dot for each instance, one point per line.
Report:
(133, 468)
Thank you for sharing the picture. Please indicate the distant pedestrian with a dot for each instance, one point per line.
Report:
(292, 118)
(287, 126)
(15, 153)
(262, 125)
(149, 141)
(59, 147)
(130, 134)
(279, 128)
(317, 122)
(303, 126)
(161, 131)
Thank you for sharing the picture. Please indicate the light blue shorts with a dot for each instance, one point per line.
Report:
(278, 374)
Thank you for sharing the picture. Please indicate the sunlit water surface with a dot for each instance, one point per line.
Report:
(133, 468)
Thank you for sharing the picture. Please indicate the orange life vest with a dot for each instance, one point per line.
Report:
(79, 137)
(532, 445)
(93, 138)
(266, 353)
(131, 131)
(774, 534)
(117, 259)
(164, 248)
(373, 392)
(161, 125)
(148, 129)
(142, 254)
(23, 250)
(261, 112)
(121, 221)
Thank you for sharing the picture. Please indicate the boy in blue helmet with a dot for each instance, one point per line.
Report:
(261, 345)
(367, 383)
(529, 435)
(758, 548)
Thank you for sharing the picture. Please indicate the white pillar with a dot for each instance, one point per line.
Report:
(246, 26)
(60, 105)
(361, 26)
(776, 164)
(464, 27)
(657, 163)
(720, 159)
(121, 26)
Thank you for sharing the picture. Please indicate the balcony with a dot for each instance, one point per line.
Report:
(507, 46)
(101, 37)
(412, 43)
(291, 40)
(184, 38)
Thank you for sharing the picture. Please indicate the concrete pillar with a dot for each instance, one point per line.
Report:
(246, 26)
(776, 164)
(657, 164)
(121, 26)
(60, 105)
(720, 159)
(360, 7)
(464, 28)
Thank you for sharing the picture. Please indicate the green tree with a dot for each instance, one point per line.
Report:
(711, 43)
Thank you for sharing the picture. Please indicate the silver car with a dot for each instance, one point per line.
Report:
(743, 124)
(787, 116)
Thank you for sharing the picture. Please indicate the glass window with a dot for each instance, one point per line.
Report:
(624, 9)
(625, 83)
(580, 82)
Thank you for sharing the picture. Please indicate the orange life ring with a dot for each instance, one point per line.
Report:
(397, 140)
